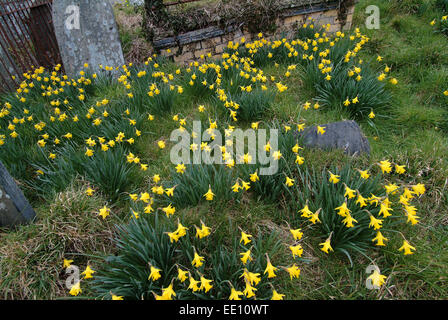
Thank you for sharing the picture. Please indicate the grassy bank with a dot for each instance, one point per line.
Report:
(410, 131)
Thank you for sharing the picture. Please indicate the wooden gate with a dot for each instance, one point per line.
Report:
(27, 39)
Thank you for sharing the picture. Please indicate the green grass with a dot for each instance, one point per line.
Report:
(412, 131)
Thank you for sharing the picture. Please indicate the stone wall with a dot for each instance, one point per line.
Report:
(189, 46)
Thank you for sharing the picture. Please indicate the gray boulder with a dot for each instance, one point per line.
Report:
(345, 135)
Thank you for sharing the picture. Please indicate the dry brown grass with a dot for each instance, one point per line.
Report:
(138, 51)
(135, 47)
(32, 256)
(128, 21)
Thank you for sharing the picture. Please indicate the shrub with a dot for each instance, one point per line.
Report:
(126, 274)
(371, 93)
(260, 15)
(315, 189)
(144, 243)
(195, 182)
(200, 83)
(305, 32)
(56, 174)
(253, 105)
(271, 188)
(163, 102)
(152, 91)
(110, 171)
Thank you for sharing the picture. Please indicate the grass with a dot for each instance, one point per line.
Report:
(31, 256)
(412, 131)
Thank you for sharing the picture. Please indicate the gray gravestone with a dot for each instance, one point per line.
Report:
(14, 208)
(345, 135)
(87, 33)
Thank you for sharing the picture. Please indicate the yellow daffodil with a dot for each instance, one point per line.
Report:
(67, 263)
(277, 296)
(289, 182)
(270, 269)
(296, 250)
(209, 195)
(294, 271)
(334, 178)
(205, 284)
(407, 248)
(235, 295)
(364, 174)
(245, 256)
(245, 238)
(194, 284)
(154, 274)
(88, 272)
(326, 245)
(104, 212)
(181, 274)
(197, 260)
(297, 233)
(76, 289)
(377, 279)
(375, 223)
(169, 210)
(419, 189)
(379, 239)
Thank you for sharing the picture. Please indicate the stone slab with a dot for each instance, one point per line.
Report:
(14, 207)
(192, 36)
